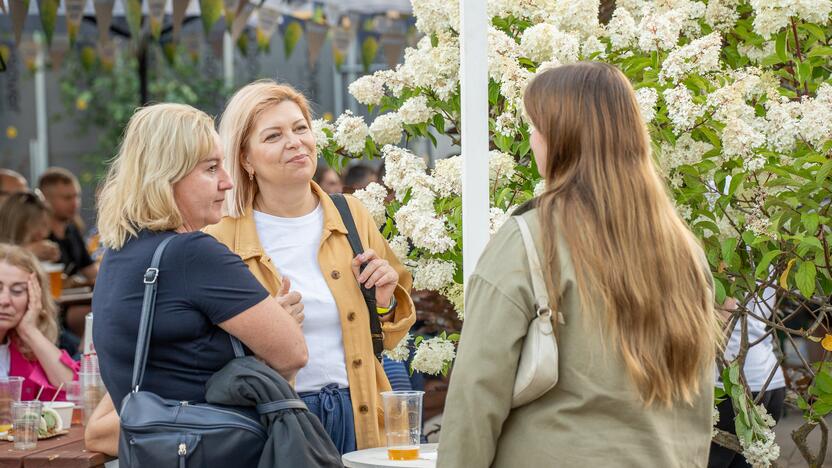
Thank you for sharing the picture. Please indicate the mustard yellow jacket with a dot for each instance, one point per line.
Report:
(365, 374)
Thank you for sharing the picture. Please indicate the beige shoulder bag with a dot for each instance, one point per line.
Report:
(537, 371)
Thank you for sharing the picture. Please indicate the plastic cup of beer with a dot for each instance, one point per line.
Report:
(402, 423)
(92, 391)
(74, 395)
(26, 416)
(55, 272)
(10, 388)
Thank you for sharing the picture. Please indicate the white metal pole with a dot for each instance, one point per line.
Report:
(228, 59)
(474, 85)
(41, 160)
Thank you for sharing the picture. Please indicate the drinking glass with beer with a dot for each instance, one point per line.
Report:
(402, 423)
(55, 272)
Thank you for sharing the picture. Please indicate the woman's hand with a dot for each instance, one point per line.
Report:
(291, 301)
(45, 250)
(29, 321)
(378, 273)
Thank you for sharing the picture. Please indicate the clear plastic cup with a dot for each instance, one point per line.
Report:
(92, 391)
(74, 395)
(402, 423)
(55, 272)
(10, 388)
(26, 420)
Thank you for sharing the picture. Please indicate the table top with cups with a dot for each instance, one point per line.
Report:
(62, 451)
(377, 458)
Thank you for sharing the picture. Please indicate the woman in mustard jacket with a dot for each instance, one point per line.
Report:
(288, 231)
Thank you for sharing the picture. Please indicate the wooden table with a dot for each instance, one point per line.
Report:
(66, 451)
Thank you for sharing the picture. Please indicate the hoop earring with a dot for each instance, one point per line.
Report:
(251, 176)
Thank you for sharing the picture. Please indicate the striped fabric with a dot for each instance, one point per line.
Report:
(397, 374)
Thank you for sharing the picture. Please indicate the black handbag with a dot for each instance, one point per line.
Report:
(369, 293)
(160, 433)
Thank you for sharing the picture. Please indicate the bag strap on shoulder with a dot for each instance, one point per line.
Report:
(368, 293)
(541, 296)
(151, 282)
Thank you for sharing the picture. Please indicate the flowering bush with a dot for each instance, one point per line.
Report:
(737, 97)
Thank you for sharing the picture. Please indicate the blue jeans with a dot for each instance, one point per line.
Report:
(333, 407)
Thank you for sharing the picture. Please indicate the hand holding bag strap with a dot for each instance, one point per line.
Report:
(541, 296)
(368, 293)
(151, 277)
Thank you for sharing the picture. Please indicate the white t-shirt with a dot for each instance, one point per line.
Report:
(293, 245)
(760, 359)
(5, 359)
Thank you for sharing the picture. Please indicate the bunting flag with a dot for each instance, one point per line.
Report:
(267, 19)
(74, 13)
(392, 45)
(88, 57)
(241, 21)
(20, 9)
(58, 51)
(315, 37)
(103, 17)
(107, 54)
(156, 10)
(191, 40)
(341, 40)
(29, 52)
(179, 9)
(48, 10)
(230, 8)
(291, 36)
(133, 11)
(211, 13)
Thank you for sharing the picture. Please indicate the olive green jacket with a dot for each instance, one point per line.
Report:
(592, 417)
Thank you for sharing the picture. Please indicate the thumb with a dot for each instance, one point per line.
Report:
(285, 286)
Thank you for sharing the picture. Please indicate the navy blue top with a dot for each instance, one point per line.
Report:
(201, 284)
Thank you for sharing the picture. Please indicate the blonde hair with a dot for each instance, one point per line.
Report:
(19, 213)
(161, 145)
(629, 247)
(237, 124)
(47, 322)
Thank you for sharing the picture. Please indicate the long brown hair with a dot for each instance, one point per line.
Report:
(47, 322)
(638, 266)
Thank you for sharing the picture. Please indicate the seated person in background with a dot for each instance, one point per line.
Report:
(28, 330)
(328, 179)
(102, 430)
(359, 177)
(11, 182)
(63, 193)
(24, 220)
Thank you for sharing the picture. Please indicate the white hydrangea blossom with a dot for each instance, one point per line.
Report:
(386, 129)
(401, 352)
(503, 52)
(535, 10)
(740, 137)
(782, 119)
(415, 110)
(622, 29)
(501, 166)
(321, 138)
(722, 15)
(714, 418)
(681, 109)
(400, 246)
(506, 124)
(754, 53)
(418, 221)
(700, 56)
(351, 132)
(432, 274)
(513, 84)
(687, 151)
(763, 449)
(770, 16)
(660, 30)
(368, 90)
(496, 218)
(567, 47)
(593, 45)
(537, 42)
(436, 16)
(402, 168)
(579, 16)
(372, 196)
(647, 99)
(539, 188)
(447, 176)
(428, 67)
(816, 122)
(455, 293)
(432, 355)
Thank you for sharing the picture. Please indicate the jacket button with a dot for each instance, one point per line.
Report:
(363, 409)
(335, 274)
(356, 362)
(351, 316)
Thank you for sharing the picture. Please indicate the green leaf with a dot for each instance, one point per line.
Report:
(814, 30)
(734, 373)
(728, 247)
(780, 47)
(810, 222)
(823, 382)
(719, 291)
(453, 337)
(820, 51)
(805, 278)
(439, 123)
(762, 267)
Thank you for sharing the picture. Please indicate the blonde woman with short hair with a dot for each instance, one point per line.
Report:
(168, 181)
(28, 328)
(639, 335)
(288, 231)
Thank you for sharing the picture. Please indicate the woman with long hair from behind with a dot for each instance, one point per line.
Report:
(638, 340)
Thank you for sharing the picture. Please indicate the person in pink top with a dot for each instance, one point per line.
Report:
(28, 328)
